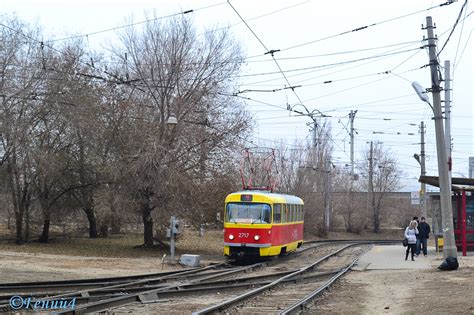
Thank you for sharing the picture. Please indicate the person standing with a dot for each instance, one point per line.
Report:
(417, 237)
(423, 235)
(410, 233)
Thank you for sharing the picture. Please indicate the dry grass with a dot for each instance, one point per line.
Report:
(128, 245)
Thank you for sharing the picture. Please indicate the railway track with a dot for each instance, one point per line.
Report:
(281, 296)
(243, 289)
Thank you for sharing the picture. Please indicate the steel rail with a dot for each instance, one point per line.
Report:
(115, 288)
(198, 289)
(186, 272)
(144, 295)
(100, 287)
(187, 288)
(226, 304)
(352, 241)
(300, 304)
(80, 282)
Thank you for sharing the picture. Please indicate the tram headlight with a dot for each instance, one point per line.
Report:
(231, 237)
(256, 237)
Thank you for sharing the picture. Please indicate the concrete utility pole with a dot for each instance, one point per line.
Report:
(447, 111)
(315, 133)
(351, 117)
(327, 195)
(371, 172)
(445, 189)
(423, 170)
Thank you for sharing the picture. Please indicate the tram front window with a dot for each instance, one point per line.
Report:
(253, 213)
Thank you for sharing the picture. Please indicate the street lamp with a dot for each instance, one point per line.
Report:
(172, 120)
(449, 249)
(421, 161)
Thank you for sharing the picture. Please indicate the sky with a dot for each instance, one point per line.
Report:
(341, 55)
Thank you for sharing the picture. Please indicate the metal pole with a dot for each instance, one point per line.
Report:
(447, 110)
(449, 248)
(327, 198)
(351, 117)
(423, 170)
(371, 186)
(315, 133)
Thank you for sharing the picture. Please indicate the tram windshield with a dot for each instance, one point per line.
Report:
(253, 213)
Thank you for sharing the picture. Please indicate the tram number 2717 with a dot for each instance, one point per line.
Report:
(243, 235)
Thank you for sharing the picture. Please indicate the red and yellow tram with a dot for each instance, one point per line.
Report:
(260, 223)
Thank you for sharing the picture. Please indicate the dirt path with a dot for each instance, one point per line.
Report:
(19, 267)
(426, 291)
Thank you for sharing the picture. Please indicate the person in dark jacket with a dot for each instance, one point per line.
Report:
(423, 235)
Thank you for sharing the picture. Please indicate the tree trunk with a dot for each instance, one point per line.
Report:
(19, 227)
(376, 221)
(147, 219)
(92, 222)
(147, 226)
(27, 223)
(44, 238)
(114, 219)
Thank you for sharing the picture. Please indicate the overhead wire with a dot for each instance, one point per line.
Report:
(271, 52)
(138, 23)
(282, 108)
(460, 37)
(330, 64)
(365, 27)
(453, 28)
(372, 60)
(406, 43)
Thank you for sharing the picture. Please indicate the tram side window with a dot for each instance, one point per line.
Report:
(276, 213)
(292, 213)
(284, 212)
(266, 212)
(300, 212)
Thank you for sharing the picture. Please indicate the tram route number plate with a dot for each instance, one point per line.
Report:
(243, 235)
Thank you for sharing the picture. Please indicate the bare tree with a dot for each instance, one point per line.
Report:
(289, 162)
(316, 175)
(80, 98)
(305, 171)
(174, 73)
(20, 85)
(350, 203)
(380, 175)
